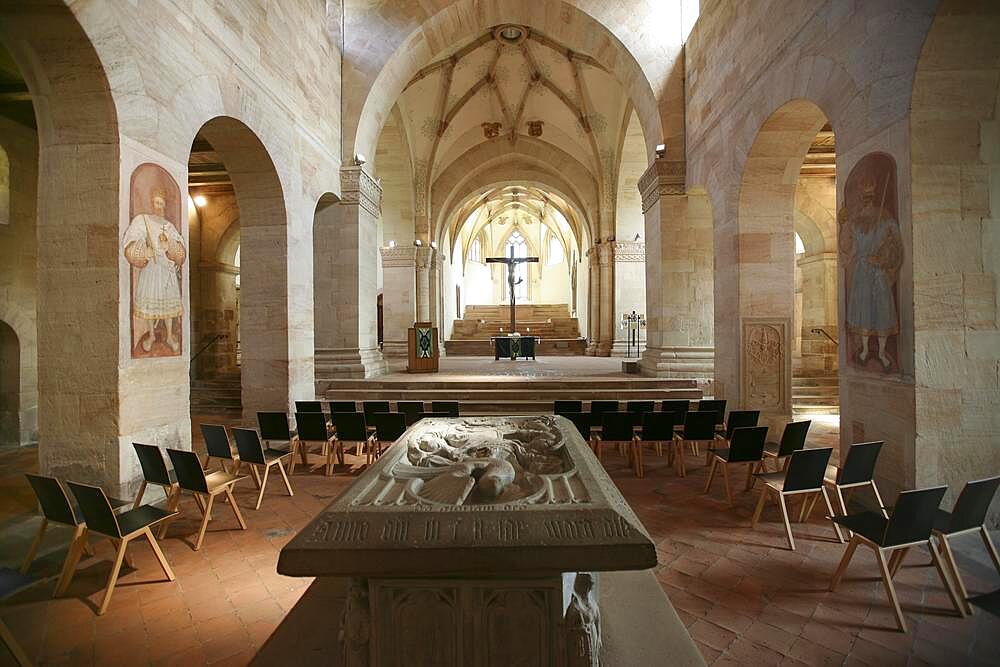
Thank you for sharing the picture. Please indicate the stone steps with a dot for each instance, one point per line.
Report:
(551, 347)
(221, 395)
(815, 391)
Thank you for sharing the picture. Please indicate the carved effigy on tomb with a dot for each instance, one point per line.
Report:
(500, 524)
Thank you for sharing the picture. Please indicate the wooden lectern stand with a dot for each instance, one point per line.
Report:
(422, 348)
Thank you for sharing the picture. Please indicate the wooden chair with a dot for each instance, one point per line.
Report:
(313, 430)
(154, 471)
(967, 516)
(657, 428)
(389, 427)
(640, 407)
(217, 445)
(411, 410)
(677, 407)
(909, 526)
(718, 406)
(561, 407)
(205, 488)
(599, 407)
(582, 421)
(737, 419)
(373, 407)
(274, 429)
(56, 509)
(308, 406)
(351, 428)
(746, 447)
(793, 438)
(119, 528)
(699, 428)
(449, 407)
(260, 459)
(858, 470)
(804, 477)
(343, 406)
(617, 428)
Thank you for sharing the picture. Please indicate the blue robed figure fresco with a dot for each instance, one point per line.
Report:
(869, 238)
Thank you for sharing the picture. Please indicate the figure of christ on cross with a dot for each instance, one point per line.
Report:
(511, 263)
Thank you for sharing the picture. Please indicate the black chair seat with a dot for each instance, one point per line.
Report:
(722, 452)
(140, 517)
(772, 447)
(870, 525)
(272, 454)
(775, 479)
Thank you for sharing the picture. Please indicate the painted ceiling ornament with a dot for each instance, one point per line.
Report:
(535, 128)
(510, 34)
(491, 130)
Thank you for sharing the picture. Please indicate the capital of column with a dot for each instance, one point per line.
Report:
(664, 177)
(424, 256)
(629, 251)
(358, 187)
(398, 255)
(603, 253)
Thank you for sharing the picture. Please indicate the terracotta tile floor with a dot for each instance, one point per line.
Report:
(744, 597)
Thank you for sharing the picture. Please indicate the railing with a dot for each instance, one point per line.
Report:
(820, 330)
(207, 345)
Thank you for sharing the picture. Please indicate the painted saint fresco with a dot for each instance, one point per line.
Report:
(154, 247)
(871, 251)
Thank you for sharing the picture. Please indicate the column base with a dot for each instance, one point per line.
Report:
(677, 361)
(340, 363)
(603, 349)
(620, 348)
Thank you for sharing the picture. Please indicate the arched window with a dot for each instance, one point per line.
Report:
(476, 251)
(800, 247)
(4, 188)
(236, 263)
(519, 245)
(556, 254)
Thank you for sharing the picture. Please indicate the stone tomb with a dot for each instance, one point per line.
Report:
(476, 541)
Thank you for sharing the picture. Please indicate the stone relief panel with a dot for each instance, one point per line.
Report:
(153, 245)
(764, 380)
(871, 252)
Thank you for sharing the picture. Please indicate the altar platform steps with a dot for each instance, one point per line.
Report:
(550, 322)
(510, 395)
(546, 347)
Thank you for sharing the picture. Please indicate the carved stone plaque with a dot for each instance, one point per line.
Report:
(476, 495)
(765, 364)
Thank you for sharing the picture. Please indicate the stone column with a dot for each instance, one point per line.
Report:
(594, 302)
(607, 299)
(424, 257)
(630, 290)
(435, 294)
(398, 300)
(679, 276)
(346, 344)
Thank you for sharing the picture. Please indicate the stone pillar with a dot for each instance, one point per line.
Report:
(607, 299)
(594, 302)
(679, 276)
(346, 344)
(435, 295)
(398, 300)
(424, 258)
(629, 259)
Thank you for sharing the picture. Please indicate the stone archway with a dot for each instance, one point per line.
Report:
(757, 372)
(10, 387)
(266, 372)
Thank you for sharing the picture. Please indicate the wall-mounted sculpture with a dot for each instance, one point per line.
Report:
(871, 252)
(153, 245)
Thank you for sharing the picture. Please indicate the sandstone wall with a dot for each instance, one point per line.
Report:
(855, 62)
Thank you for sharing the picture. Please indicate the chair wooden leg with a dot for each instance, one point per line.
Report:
(113, 578)
(751, 468)
(725, 480)
(129, 563)
(878, 498)
(173, 499)
(138, 496)
(829, 508)
(946, 580)
(711, 474)
(896, 560)
(303, 453)
(949, 559)
(204, 522)
(161, 559)
(254, 475)
(76, 547)
(33, 549)
(263, 485)
(236, 509)
(985, 534)
(890, 589)
(784, 517)
(679, 459)
(288, 485)
(852, 546)
(760, 507)
(294, 448)
(7, 639)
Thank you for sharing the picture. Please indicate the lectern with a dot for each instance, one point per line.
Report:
(422, 346)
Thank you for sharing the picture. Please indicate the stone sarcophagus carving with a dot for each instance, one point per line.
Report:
(469, 532)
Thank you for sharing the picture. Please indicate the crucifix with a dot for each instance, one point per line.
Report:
(511, 263)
